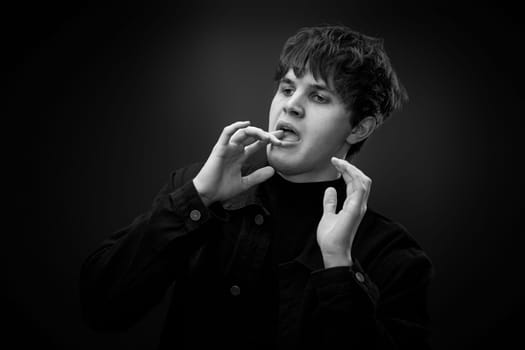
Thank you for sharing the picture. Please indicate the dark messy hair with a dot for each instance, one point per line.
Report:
(356, 64)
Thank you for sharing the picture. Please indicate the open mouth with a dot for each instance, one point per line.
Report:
(290, 133)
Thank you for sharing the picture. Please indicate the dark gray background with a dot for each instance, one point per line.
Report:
(108, 100)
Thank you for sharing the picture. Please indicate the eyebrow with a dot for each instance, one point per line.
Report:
(320, 87)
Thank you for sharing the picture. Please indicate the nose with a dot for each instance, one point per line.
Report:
(293, 107)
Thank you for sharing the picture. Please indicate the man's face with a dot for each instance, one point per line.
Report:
(316, 125)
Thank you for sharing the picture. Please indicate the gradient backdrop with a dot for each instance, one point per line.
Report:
(108, 100)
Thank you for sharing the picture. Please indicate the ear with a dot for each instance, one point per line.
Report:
(362, 130)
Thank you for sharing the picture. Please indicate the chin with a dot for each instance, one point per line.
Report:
(283, 164)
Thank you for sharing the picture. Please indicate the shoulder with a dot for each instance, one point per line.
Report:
(376, 228)
(385, 245)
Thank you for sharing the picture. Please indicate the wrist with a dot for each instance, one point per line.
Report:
(206, 198)
(337, 259)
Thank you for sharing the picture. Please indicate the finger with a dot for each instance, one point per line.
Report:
(254, 147)
(228, 131)
(258, 176)
(240, 138)
(360, 178)
(352, 169)
(351, 184)
(278, 133)
(358, 184)
(264, 135)
(330, 201)
(249, 134)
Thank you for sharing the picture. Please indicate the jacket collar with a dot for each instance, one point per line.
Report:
(252, 196)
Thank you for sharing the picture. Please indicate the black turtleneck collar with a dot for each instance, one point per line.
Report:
(295, 210)
(302, 195)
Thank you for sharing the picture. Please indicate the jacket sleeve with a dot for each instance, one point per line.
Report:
(354, 313)
(131, 270)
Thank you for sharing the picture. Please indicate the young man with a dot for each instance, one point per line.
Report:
(284, 255)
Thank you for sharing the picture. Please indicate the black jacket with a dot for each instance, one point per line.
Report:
(215, 256)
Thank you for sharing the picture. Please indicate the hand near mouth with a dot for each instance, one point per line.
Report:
(290, 133)
(220, 178)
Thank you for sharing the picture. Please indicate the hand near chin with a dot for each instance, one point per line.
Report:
(336, 231)
(220, 178)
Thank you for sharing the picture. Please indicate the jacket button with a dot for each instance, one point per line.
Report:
(259, 219)
(359, 276)
(195, 215)
(235, 290)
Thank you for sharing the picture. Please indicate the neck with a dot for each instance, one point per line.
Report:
(328, 175)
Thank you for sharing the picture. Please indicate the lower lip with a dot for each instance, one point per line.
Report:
(289, 143)
(285, 143)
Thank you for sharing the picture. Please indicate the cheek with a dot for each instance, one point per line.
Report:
(274, 108)
(331, 132)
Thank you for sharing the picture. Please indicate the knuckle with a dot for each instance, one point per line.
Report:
(238, 133)
(249, 131)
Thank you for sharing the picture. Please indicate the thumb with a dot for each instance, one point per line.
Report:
(329, 200)
(258, 176)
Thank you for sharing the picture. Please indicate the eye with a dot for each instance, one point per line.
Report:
(319, 98)
(286, 90)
